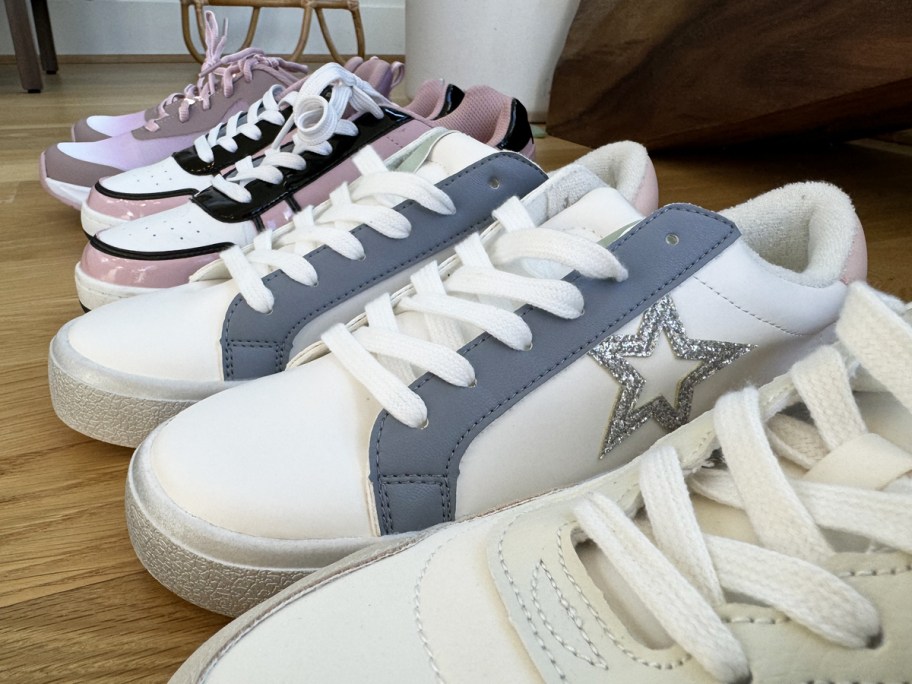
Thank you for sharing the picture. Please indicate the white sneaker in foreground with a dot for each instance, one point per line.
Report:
(495, 378)
(785, 557)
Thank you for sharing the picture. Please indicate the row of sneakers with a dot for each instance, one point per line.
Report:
(152, 225)
(161, 223)
(451, 332)
(279, 429)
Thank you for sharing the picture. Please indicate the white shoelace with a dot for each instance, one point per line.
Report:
(683, 575)
(219, 72)
(215, 45)
(316, 120)
(368, 201)
(481, 293)
(265, 109)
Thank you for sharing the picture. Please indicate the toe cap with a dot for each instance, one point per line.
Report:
(60, 166)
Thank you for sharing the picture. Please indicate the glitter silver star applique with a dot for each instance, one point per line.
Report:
(610, 353)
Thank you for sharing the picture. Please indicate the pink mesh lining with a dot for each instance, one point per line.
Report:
(428, 101)
(483, 114)
(378, 73)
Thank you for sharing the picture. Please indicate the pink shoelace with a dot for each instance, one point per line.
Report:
(218, 71)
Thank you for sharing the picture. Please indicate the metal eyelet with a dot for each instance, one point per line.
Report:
(425, 424)
(875, 641)
(473, 385)
(747, 679)
(672, 239)
(494, 183)
(528, 347)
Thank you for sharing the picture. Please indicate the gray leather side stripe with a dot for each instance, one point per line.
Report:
(414, 471)
(255, 344)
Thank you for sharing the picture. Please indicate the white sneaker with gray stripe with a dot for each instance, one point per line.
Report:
(119, 371)
(556, 345)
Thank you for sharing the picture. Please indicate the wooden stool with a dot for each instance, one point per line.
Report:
(310, 8)
(24, 43)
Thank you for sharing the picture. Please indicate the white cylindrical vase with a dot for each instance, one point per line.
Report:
(510, 45)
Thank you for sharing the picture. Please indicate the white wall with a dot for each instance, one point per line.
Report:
(111, 27)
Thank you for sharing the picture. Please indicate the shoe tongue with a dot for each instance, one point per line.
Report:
(602, 214)
(444, 153)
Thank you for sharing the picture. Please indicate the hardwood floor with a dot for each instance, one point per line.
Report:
(75, 604)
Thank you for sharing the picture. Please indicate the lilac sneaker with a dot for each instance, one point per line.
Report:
(165, 249)
(96, 127)
(69, 170)
(174, 180)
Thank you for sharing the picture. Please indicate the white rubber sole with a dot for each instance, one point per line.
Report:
(69, 194)
(93, 221)
(220, 570)
(94, 293)
(115, 407)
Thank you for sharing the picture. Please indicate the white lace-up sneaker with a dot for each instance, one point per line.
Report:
(173, 181)
(494, 378)
(95, 127)
(310, 156)
(119, 371)
(68, 170)
(754, 544)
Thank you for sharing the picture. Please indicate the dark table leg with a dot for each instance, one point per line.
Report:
(45, 36)
(24, 45)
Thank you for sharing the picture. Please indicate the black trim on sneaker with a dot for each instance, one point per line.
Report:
(519, 132)
(113, 194)
(265, 195)
(190, 162)
(452, 98)
(157, 256)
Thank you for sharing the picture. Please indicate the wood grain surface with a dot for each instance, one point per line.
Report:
(711, 72)
(75, 604)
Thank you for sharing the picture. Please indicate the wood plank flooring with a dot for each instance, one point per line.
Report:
(75, 604)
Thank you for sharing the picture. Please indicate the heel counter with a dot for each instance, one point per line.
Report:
(646, 199)
(518, 137)
(452, 98)
(856, 264)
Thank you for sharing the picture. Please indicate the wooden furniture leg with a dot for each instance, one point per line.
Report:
(24, 45)
(45, 36)
(309, 7)
(355, 10)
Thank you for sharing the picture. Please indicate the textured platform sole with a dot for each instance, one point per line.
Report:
(222, 571)
(113, 407)
(68, 193)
